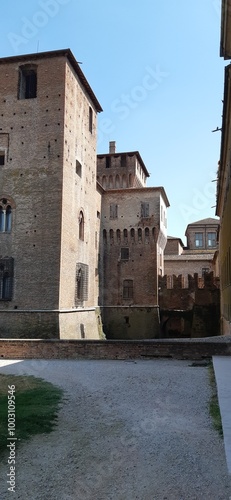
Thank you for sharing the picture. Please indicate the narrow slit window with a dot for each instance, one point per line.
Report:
(90, 120)
(2, 158)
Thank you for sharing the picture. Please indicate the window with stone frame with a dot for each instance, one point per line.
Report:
(127, 289)
(81, 289)
(199, 240)
(212, 239)
(6, 278)
(5, 216)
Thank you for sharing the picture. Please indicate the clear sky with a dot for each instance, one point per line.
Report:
(154, 66)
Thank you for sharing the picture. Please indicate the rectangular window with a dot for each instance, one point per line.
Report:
(124, 253)
(211, 240)
(2, 158)
(144, 209)
(205, 270)
(6, 278)
(90, 119)
(78, 168)
(108, 161)
(199, 240)
(27, 88)
(113, 211)
(128, 289)
(81, 291)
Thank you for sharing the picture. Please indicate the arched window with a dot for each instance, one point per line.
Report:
(125, 233)
(118, 237)
(111, 234)
(133, 235)
(5, 216)
(124, 181)
(139, 234)
(146, 232)
(130, 180)
(104, 182)
(104, 236)
(117, 181)
(81, 226)
(110, 181)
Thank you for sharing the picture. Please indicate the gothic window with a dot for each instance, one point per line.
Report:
(118, 237)
(146, 232)
(81, 293)
(139, 234)
(128, 289)
(27, 88)
(104, 236)
(133, 235)
(5, 216)
(6, 278)
(81, 226)
(111, 234)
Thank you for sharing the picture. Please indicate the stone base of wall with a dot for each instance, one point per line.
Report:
(225, 327)
(76, 324)
(131, 322)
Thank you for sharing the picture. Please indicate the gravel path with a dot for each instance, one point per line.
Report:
(127, 430)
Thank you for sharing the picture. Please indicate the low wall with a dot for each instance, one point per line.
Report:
(112, 349)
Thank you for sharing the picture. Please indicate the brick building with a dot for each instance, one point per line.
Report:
(134, 235)
(200, 254)
(70, 245)
(49, 230)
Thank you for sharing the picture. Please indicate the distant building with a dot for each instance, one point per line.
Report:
(133, 238)
(199, 256)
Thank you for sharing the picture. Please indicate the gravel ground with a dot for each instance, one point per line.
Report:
(127, 430)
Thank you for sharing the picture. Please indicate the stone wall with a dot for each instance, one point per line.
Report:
(131, 322)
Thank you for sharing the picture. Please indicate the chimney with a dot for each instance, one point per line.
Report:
(112, 147)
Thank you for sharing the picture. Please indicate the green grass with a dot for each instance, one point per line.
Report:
(214, 408)
(37, 403)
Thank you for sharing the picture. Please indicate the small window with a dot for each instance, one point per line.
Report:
(199, 240)
(205, 270)
(139, 234)
(6, 279)
(81, 226)
(108, 161)
(2, 158)
(5, 216)
(144, 209)
(124, 253)
(82, 277)
(128, 289)
(27, 82)
(113, 211)
(78, 168)
(211, 240)
(90, 120)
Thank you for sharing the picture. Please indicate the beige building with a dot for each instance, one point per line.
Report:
(200, 254)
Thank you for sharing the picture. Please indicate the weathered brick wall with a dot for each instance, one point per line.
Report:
(123, 349)
(131, 322)
(201, 298)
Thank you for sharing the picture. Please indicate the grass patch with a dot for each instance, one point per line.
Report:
(36, 407)
(214, 408)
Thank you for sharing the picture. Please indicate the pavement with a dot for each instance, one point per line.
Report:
(222, 368)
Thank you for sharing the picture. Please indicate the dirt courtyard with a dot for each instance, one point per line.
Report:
(126, 430)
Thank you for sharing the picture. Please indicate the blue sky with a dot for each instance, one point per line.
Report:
(155, 68)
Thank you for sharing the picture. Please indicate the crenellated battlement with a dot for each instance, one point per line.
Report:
(194, 282)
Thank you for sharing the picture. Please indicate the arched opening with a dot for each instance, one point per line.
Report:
(81, 226)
